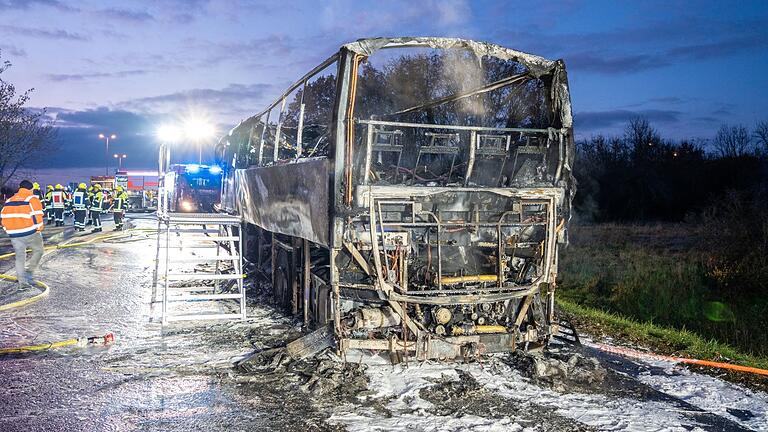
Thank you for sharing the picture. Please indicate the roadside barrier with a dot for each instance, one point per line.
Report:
(627, 352)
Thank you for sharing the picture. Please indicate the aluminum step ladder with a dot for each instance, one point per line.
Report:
(185, 241)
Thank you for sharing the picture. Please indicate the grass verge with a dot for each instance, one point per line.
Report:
(663, 340)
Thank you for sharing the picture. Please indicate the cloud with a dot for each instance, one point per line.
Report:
(650, 46)
(126, 15)
(594, 62)
(44, 34)
(79, 145)
(26, 4)
(244, 97)
(590, 120)
(255, 48)
(12, 50)
(85, 76)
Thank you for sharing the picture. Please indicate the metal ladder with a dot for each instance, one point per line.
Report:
(188, 293)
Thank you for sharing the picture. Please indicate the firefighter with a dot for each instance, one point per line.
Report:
(58, 198)
(97, 203)
(119, 203)
(37, 192)
(48, 204)
(68, 201)
(80, 204)
(22, 219)
(89, 195)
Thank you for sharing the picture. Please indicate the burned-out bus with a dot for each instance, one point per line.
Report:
(411, 193)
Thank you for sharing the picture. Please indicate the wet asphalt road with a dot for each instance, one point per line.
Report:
(150, 379)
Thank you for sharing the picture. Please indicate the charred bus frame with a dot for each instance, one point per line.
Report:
(381, 251)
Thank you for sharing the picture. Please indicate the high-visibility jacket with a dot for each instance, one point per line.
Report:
(80, 199)
(58, 198)
(121, 201)
(48, 197)
(22, 214)
(90, 195)
(97, 202)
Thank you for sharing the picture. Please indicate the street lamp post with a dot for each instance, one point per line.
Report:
(106, 137)
(119, 158)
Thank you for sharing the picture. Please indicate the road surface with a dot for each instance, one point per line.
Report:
(181, 377)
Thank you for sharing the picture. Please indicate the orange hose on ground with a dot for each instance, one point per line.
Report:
(626, 352)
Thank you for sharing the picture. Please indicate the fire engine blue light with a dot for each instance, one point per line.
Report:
(192, 168)
(215, 170)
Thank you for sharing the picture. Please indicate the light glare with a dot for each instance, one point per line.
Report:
(168, 133)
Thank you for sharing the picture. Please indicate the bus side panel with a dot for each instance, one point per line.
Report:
(290, 199)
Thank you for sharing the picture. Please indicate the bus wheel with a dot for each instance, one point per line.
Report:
(281, 288)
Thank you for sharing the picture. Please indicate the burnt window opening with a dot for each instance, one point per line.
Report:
(477, 100)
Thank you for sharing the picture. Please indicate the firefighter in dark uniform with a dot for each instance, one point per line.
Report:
(80, 204)
(47, 203)
(68, 202)
(37, 192)
(89, 195)
(119, 203)
(97, 203)
(58, 201)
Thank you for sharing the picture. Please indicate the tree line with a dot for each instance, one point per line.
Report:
(640, 176)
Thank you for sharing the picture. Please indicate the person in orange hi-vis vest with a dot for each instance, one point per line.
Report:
(22, 218)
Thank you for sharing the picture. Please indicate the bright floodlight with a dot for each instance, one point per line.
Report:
(101, 136)
(215, 170)
(113, 136)
(198, 129)
(168, 133)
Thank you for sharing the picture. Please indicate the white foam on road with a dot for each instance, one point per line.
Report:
(409, 412)
(710, 394)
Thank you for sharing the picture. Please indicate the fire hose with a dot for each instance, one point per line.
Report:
(106, 339)
(627, 352)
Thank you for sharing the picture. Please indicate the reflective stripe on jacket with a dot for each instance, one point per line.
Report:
(97, 202)
(22, 214)
(121, 200)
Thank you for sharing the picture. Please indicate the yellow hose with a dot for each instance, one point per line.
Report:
(26, 301)
(41, 347)
(107, 339)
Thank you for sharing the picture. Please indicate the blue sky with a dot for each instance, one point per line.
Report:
(127, 66)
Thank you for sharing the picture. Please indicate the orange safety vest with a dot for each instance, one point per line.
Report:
(22, 214)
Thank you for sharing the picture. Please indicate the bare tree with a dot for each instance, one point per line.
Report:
(732, 141)
(761, 136)
(24, 133)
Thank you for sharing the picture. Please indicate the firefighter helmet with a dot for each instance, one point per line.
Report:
(35, 186)
(49, 188)
(59, 187)
(81, 186)
(119, 189)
